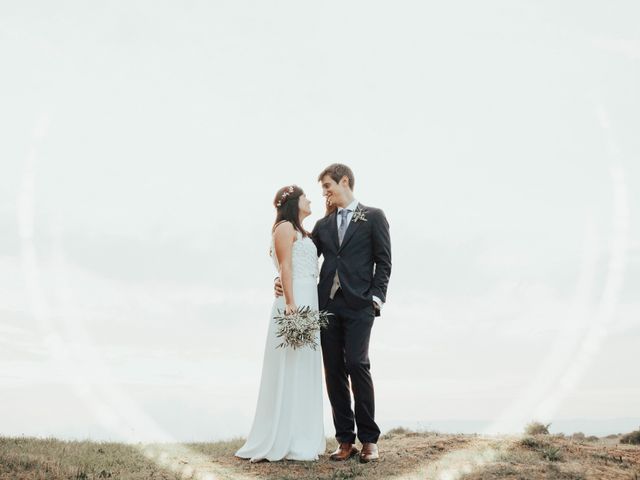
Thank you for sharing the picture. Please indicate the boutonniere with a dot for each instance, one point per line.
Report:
(359, 215)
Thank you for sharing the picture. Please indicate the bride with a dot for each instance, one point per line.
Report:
(288, 421)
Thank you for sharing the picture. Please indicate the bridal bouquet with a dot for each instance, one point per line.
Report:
(298, 329)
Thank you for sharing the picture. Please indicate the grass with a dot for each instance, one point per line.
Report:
(544, 447)
(551, 453)
(396, 431)
(537, 428)
(530, 442)
(632, 438)
(405, 452)
(49, 458)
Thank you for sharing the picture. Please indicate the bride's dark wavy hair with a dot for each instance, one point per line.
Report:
(286, 203)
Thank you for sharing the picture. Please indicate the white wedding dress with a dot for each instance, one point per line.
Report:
(288, 421)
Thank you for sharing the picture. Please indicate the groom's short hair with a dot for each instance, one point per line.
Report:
(336, 171)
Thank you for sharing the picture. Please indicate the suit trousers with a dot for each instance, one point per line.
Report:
(345, 353)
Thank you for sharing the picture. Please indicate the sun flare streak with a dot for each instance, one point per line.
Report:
(62, 335)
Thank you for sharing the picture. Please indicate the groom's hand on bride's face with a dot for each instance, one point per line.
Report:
(277, 287)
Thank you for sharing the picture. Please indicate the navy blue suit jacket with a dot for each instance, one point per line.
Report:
(363, 260)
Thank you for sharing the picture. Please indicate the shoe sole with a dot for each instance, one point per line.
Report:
(351, 455)
(362, 460)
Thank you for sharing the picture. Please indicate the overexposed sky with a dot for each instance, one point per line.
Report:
(142, 144)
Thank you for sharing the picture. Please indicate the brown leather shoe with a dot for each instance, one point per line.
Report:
(369, 452)
(344, 452)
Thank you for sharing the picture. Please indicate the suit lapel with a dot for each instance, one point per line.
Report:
(351, 228)
(333, 228)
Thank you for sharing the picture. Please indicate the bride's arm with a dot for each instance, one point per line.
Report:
(284, 237)
(316, 238)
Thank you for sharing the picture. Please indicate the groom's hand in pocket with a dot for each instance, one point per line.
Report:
(376, 305)
(277, 287)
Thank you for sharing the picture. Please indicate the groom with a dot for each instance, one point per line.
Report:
(354, 240)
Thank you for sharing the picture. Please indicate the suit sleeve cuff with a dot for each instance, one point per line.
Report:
(378, 302)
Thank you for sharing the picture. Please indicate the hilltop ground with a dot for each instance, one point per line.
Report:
(404, 455)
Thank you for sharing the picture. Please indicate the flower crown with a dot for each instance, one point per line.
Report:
(283, 197)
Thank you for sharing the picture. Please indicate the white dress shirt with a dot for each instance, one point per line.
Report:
(352, 206)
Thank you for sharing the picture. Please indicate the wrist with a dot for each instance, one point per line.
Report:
(377, 302)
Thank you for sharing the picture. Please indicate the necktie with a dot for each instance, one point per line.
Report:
(342, 228)
(343, 224)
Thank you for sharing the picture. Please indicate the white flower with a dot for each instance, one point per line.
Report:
(299, 329)
(358, 215)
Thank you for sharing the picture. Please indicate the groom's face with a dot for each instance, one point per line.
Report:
(336, 193)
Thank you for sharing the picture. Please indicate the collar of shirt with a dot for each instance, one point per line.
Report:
(352, 206)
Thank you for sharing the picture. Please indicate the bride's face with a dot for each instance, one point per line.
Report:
(304, 205)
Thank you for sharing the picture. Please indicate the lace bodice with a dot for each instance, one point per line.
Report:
(304, 257)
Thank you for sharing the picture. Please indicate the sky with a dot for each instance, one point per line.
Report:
(142, 146)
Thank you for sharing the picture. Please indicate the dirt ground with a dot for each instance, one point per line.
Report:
(404, 455)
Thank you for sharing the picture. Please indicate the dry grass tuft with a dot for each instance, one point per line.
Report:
(632, 438)
(537, 428)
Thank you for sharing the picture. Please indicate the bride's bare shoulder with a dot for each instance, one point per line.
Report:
(284, 230)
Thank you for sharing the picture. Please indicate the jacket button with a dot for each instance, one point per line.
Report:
(338, 256)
